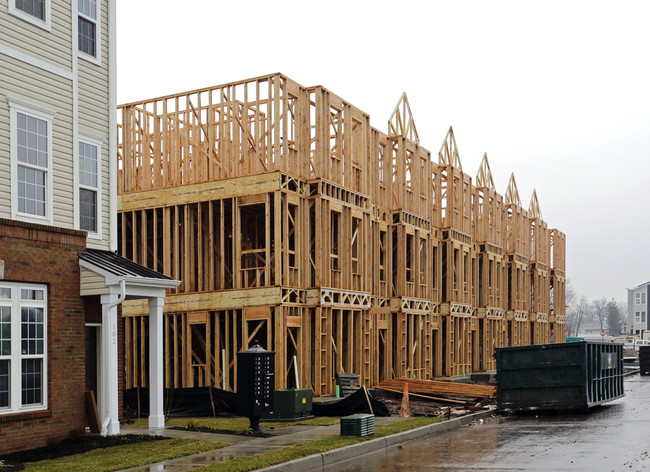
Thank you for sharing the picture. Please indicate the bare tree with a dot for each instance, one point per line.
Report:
(577, 310)
(570, 295)
(614, 318)
(571, 309)
(583, 312)
(599, 311)
(622, 309)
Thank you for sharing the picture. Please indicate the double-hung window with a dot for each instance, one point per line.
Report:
(639, 298)
(88, 28)
(31, 161)
(89, 184)
(23, 347)
(36, 12)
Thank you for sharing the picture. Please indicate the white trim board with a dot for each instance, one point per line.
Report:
(33, 61)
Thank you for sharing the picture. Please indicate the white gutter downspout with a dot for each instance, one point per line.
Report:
(109, 349)
(122, 296)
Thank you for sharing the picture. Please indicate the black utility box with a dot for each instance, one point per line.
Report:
(644, 360)
(255, 381)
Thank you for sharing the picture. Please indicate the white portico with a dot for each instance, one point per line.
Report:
(116, 279)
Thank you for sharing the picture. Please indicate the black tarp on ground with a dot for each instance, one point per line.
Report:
(355, 403)
(195, 403)
(184, 402)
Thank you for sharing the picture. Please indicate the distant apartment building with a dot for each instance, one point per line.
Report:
(60, 282)
(637, 308)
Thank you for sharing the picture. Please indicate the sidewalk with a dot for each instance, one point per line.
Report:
(242, 446)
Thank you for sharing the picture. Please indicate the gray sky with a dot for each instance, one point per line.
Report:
(557, 92)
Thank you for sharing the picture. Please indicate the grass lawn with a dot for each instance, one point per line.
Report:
(235, 425)
(266, 459)
(124, 457)
(133, 455)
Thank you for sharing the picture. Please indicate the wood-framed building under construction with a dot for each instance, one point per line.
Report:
(291, 221)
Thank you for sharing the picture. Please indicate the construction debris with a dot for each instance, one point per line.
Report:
(433, 387)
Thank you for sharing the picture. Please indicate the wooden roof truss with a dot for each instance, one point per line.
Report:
(401, 121)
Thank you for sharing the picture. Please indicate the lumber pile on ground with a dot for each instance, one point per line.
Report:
(433, 387)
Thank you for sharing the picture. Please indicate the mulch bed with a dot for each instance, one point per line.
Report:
(70, 446)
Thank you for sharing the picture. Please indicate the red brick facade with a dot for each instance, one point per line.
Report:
(48, 255)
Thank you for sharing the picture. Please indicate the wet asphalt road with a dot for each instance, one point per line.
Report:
(612, 437)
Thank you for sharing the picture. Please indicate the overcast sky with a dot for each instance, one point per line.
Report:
(557, 92)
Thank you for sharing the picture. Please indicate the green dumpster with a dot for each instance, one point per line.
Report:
(580, 374)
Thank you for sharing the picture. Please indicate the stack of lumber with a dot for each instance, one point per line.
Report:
(433, 387)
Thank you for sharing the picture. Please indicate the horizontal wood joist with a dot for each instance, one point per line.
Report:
(326, 189)
(449, 234)
(206, 191)
(223, 300)
(558, 273)
(517, 315)
(338, 297)
(456, 309)
(539, 317)
(491, 248)
(493, 313)
(518, 259)
(418, 306)
(538, 266)
(411, 219)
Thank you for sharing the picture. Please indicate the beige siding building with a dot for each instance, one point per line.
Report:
(55, 73)
(60, 280)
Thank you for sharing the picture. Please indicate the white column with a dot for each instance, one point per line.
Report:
(156, 412)
(109, 408)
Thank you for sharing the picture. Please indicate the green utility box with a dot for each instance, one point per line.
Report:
(361, 424)
(579, 374)
(291, 404)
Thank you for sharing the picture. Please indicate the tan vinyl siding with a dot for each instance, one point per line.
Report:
(54, 46)
(53, 92)
(92, 283)
(5, 161)
(94, 115)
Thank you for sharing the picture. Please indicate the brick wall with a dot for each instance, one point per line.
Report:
(48, 255)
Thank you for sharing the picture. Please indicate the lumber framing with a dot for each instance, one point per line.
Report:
(291, 221)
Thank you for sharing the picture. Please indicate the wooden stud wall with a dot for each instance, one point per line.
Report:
(289, 219)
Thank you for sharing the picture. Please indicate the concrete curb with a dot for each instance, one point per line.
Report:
(318, 461)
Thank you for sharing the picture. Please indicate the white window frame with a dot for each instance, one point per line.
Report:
(97, 141)
(637, 298)
(643, 317)
(46, 24)
(97, 58)
(20, 106)
(15, 358)
(642, 298)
